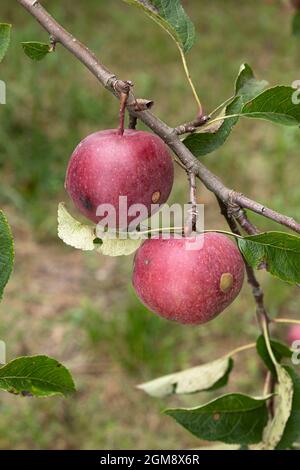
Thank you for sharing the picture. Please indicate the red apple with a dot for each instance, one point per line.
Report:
(188, 286)
(294, 334)
(106, 165)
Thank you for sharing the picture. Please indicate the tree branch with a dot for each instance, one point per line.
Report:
(169, 135)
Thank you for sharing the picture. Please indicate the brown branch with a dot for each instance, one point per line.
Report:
(241, 217)
(169, 135)
(192, 126)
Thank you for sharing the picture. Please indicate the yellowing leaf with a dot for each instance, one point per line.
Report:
(74, 233)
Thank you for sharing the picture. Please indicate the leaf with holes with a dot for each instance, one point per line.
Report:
(171, 16)
(6, 252)
(278, 250)
(5, 31)
(233, 419)
(36, 50)
(205, 377)
(40, 376)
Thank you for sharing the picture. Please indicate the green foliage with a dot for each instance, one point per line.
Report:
(278, 250)
(5, 30)
(6, 252)
(36, 50)
(280, 352)
(197, 379)
(232, 419)
(275, 105)
(296, 24)
(40, 376)
(214, 135)
(172, 18)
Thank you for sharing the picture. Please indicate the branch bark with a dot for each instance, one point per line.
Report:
(168, 134)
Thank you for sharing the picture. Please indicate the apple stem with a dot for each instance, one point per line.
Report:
(123, 102)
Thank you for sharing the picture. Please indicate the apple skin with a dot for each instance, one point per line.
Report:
(293, 334)
(185, 285)
(106, 165)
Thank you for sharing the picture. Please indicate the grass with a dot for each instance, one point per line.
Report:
(80, 307)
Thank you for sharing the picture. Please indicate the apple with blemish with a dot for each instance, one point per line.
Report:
(189, 280)
(109, 164)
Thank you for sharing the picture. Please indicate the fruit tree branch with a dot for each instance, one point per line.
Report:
(168, 134)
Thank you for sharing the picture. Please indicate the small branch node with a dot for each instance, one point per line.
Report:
(141, 104)
(190, 127)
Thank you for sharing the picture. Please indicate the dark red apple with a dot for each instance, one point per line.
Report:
(188, 286)
(106, 165)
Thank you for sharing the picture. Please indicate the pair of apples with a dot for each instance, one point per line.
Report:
(188, 286)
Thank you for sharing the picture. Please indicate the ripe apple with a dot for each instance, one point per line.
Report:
(188, 286)
(107, 164)
(294, 333)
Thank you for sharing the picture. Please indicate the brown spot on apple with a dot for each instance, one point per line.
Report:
(155, 197)
(226, 282)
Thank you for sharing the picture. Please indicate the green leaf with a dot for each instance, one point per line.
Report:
(275, 105)
(192, 380)
(246, 85)
(283, 398)
(5, 30)
(280, 351)
(283, 406)
(171, 16)
(296, 24)
(40, 376)
(74, 233)
(36, 50)
(212, 136)
(6, 252)
(233, 419)
(292, 429)
(83, 237)
(280, 251)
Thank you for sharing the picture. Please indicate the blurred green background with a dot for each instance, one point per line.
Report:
(79, 307)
